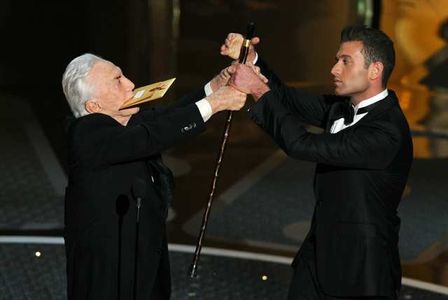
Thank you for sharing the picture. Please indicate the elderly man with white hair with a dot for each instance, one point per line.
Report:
(114, 160)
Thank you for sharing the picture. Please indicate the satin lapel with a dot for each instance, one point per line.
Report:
(386, 104)
(336, 112)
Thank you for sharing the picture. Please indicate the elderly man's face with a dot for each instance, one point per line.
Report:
(112, 88)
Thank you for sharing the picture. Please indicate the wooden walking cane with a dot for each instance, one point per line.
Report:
(242, 59)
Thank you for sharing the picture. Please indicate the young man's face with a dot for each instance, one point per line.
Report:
(351, 77)
(112, 88)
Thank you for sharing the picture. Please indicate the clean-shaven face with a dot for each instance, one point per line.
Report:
(349, 71)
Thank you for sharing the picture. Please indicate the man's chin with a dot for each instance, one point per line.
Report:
(339, 92)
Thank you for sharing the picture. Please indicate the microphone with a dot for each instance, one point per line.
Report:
(138, 189)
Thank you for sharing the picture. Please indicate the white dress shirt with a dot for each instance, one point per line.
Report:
(339, 125)
(204, 107)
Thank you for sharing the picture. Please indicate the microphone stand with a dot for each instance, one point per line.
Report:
(122, 206)
(137, 224)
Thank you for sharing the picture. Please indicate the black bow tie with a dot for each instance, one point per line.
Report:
(348, 111)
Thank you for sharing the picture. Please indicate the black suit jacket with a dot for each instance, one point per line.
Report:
(360, 176)
(105, 160)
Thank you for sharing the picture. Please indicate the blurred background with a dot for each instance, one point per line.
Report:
(264, 200)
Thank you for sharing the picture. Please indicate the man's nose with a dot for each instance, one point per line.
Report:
(130, 84)
(335, 70)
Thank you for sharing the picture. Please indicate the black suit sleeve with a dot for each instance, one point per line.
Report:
(273, 80)
(370, 146)
(100, 140)
(310, 109)
(183, 101)
(190, 98)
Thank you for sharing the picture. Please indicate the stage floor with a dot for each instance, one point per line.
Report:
(37, 271)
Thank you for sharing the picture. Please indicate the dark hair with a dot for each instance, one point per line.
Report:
(377, 46)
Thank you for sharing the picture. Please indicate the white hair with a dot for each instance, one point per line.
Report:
(76, 88)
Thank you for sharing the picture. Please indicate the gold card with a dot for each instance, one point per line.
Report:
(148, 93)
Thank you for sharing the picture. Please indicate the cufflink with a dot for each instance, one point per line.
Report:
(188, 127)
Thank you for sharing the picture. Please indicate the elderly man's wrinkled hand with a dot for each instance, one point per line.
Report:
(221, 79)
(232, 46)
(226, 98)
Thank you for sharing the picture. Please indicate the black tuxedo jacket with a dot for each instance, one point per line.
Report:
(360, 176)
(105, 160)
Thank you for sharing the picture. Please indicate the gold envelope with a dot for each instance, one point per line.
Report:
(148, 93)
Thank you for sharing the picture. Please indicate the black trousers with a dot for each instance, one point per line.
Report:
(304, 284)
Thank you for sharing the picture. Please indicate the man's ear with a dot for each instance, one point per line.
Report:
(376, 70)
(92, 106)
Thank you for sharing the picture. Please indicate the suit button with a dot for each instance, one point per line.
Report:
(188, 127)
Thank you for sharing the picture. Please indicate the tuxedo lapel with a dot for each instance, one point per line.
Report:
(384, 105)
(336, 112)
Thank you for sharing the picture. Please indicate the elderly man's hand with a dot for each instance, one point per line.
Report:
(221, 79)
(249, 80)
(226, 98)
(232, 46)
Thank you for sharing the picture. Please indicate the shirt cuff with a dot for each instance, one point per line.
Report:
(208, 89)
(256, 58)
(204, 109)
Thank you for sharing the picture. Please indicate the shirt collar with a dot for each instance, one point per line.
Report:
(371, 100)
